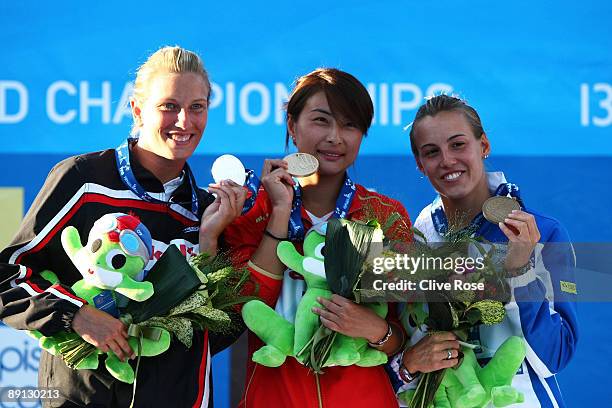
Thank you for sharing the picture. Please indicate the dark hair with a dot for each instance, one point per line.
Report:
(348, 99)
(445, 103)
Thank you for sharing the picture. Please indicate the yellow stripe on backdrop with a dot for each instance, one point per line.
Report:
(11, 213)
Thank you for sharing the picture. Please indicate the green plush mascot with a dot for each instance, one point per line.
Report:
(472, 386)
(117, 251)
(285, 339)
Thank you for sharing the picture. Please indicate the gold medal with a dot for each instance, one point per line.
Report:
(301, 164)
(496, 209)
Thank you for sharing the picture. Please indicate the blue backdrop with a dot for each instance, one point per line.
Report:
(540, 75)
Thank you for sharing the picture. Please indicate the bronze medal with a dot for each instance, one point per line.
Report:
(496, 209)
(301, 164)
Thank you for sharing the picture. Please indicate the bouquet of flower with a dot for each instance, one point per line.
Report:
(350, 246)
(200, 294)
(349, 242)
(461, 298)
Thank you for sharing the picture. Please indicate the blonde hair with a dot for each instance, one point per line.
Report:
(174, 60)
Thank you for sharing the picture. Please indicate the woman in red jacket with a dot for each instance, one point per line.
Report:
(328, 114)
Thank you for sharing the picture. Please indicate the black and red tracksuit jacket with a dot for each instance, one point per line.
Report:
(77, 192)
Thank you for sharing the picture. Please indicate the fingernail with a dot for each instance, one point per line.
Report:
(507, 219)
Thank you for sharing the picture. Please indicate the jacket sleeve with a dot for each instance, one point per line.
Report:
(242, 238)
(27, 301)
(220, 341)
(546, 298)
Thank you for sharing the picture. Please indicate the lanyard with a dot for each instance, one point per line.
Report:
(252, 184)
(296, 226)
(343, 203)
(122, 156)
(440, 221)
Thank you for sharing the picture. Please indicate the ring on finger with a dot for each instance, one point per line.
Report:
(449, 354)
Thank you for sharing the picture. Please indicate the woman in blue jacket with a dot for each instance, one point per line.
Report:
(450, 147)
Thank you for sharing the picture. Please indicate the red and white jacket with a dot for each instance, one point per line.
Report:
(292, 384)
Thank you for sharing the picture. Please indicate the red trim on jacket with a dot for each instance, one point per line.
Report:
(102, 199)
(202, 378)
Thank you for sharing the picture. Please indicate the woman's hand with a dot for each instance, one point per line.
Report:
(218, 215)
(523, 235)
(431, 353)
(103, 331)
(347, 317)
(278, 183)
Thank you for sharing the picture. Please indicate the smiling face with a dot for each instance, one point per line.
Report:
(334, 142)
(172, 117)
(450, 155)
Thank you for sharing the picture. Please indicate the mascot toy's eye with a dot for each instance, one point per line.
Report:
(320, 250)
(116, 259)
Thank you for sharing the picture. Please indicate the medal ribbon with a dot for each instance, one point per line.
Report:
(440, 221)
(122, 156)
(296, 226)
(252, 184)
(343, 203)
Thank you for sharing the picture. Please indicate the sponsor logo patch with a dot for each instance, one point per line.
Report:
(569, 287)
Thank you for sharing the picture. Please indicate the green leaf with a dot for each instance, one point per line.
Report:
(320, 349)
(426, 389)
(173, 280)
(180, 327)
(346, 248)
(491, 311)
(442, 316)
(473, 316)
(418, 313)
(196, 300)
(214, 320)
(392, 219)
(419, 234)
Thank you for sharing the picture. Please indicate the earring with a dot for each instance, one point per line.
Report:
(486, 156)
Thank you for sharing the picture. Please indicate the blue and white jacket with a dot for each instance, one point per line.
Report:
(542, 310)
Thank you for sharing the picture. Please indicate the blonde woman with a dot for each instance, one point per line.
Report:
(149, 177)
